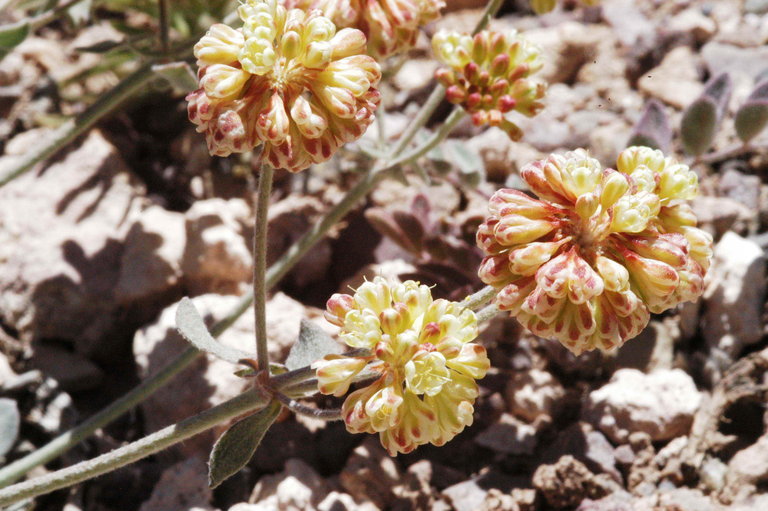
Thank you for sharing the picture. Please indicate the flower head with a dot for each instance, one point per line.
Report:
(424, 358)
(489, 75)
(288, 80)
(544, 6)
(599, 250)
(391, 26)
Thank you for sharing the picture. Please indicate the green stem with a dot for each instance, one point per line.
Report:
(480, 298)
(453, 119)
(73, 128)
(163, 22)
(134, 451)
(260, 265)
(487, 314)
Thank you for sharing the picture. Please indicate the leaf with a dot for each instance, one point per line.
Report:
(100, 47)
(313, 344)
(9, 425)
(178, 74)
(191, 326)
(11, 36)
(719, 89)
(236, 446)
(697, 129)
(752, 116)
(652, 130)
(411, 226)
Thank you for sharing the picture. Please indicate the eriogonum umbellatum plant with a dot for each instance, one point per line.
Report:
(423, 358)
(599, 250)
(391, 26)
(489, 75)
(287, 80)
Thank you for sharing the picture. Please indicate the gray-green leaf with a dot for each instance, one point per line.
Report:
(236, 446)
(652, 130)
(697, 129)
(313, 344)
(178, 74)
(191, 326)
(9, 425)
(752, 116)
(11, 36)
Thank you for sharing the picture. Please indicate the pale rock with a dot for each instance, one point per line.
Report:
(588, 446)
(653, 348)
(687, 499)
(465, 496)
(336, 501)
(747, 62)
(734, 295)
(71, 370)
(617, 501)
(509, 435)
(751, 503)
(217, 257)
(151, 262)
(7, 374)
(717, 215)
(181, 487)
(61, 234)
(693, 21)
(208, 380)
(532, 394)
(415, 74)
(749, 465)
(713, 474)
(629, 24)
(297, 488)
(371, 474)
(568, 482)
(676, 80)
(660, 404)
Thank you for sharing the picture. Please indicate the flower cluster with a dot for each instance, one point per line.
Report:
(423, 358)
(391, 26)
(288, 80)
(599, 251)
(544, 6)
(489, 75)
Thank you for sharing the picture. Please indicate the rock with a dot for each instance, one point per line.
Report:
(508, 436)
(749, 465)
(718, 215)
(72, 371)
(693, 21)
(629, 24)
(415, 74)
(653, 348)
(751, 503)
(588, 446)
(336, 501)
(534, 395)
(150, 269)
(743, 188)
(370, 474)
(687, 499)
(713, 474)
(660, 404)
(467, 495)
(676, 80)
(568, 482)
(217, 257)
(209, 380)
(183, 486)
(59, 266)
(734, 295)
(297, 488)
(749, 62)
(617, 501)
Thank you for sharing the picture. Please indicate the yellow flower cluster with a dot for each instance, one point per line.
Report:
(391, 26)
(544, 6)
(599, 250)
(422, 355)
(489, 75)
(288, 80)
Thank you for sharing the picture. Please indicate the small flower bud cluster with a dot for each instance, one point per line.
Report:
(489, 75)
(599, 250)
(391, 26)
(287, 80)
(423, 358)
(544, 6)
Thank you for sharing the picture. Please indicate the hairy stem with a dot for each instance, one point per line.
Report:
(260, 265)
(480, 298)
(134, 451)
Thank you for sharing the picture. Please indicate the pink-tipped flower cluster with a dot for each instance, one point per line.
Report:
(599, 250)
(391, 26)
(544, 6)
(489, 75)
(286, 80)
(422, 357)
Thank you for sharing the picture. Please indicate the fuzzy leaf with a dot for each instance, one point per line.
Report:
(191, 326)
(652, 130)
(313, 344)
(11, 36)
(752, 116)
(697, 129)
(384, 222)
(100, 47)
(411, 227)
(178, 74)
(236, 446)
(9, 425)
(719, 89)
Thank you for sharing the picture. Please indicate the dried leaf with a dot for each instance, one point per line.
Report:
(313, 344)
(236, 446)
(653, 129)
(191, 326)
(9, 425)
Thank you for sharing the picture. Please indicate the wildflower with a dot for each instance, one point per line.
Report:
(599, 250)
(544, 6)
(423, 358)
(391, 26)
(288, 80)
(489, 75)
